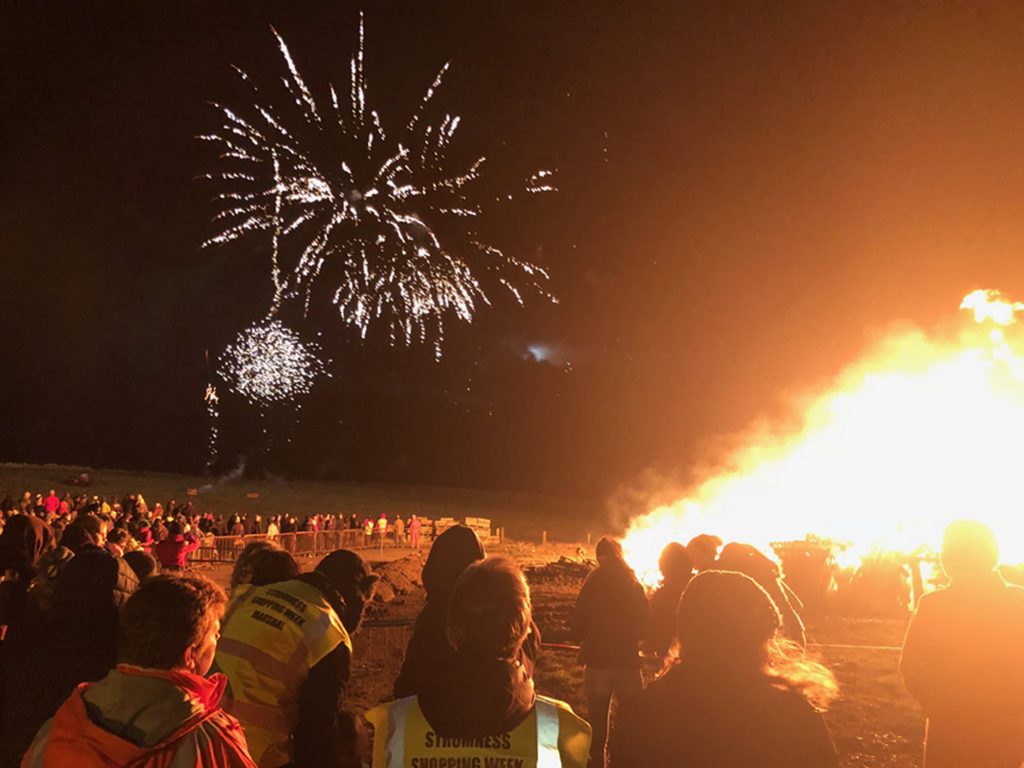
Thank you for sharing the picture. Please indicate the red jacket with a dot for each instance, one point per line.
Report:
(164, 717)
(174, 552)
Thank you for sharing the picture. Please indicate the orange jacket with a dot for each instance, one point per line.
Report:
(142, 718)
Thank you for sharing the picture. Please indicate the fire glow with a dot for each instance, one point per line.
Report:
(922, 431)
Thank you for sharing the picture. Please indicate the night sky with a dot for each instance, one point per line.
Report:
(749, 194)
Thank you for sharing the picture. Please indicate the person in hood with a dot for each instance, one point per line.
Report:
(962, 657)
(74, 642)
(609, 619)
(734, 698)
(156, 708)
(24, 541)
(286, 651)
(485, 711)
(428, 651)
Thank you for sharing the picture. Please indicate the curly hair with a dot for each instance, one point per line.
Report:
(165, 616)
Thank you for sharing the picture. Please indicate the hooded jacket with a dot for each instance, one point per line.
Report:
(142, 718)
(22, 543)
(54, 651)
(610, 617)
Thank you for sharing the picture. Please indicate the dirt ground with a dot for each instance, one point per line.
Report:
(873, 722)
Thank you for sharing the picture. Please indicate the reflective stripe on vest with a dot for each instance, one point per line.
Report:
(410, 742)
(273, 636)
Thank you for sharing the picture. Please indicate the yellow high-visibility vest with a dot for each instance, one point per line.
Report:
(272, 637)
(550, 737)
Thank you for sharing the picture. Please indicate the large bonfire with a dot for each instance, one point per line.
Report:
(925, 429)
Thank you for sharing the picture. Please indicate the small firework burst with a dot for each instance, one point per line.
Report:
(269, 364)
(362, 208)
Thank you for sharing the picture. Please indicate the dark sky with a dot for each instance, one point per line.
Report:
(749, 193)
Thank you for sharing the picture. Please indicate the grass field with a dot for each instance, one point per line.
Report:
(524, 516)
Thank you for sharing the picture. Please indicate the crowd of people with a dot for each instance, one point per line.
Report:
(109, 657)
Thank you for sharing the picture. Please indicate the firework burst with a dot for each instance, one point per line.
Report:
(361, 208)
(269, 364)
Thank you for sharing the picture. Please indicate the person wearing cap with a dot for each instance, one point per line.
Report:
(962, 657)
(485, 710)
(286, 651)
(610, 619)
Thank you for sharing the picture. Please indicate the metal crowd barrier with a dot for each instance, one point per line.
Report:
(225, 549)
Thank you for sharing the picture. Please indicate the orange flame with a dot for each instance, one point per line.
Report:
(922, 431)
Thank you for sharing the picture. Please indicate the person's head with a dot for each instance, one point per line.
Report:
(271, 566)
(451, 553)
(172, 622)
(142, 563)
(703, 551)
(727, 626)
(24, 540)
(969, 549)
(93, 528)
(674, 563)
(489, 612)
(174, 529)
(355, 581)
(749, 560)
(118, 536)
(609, 551)
(726, 618)
(242, 572)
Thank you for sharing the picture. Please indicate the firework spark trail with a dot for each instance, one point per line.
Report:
(326, 180)
(212, 401)
(269, 364)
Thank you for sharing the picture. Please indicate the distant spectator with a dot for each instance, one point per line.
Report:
(399, 530)
(962, 658)
(156, 708)
(735, 699)
(51, 503)
(414, 532)
(173, 551)
(610, 619)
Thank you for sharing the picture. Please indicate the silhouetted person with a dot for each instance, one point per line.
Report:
(610, 619)
(676, 571)
(733, 700)
(72, 643)
(703, 551)
(963, 657)
(749, 560)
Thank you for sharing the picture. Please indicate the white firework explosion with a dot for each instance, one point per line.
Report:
(360, 204)
(269, 364)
